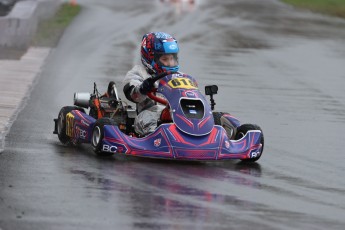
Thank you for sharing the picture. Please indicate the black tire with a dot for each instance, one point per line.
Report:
(98, 135)
(229, 128)
(242, 131)
(216, 117)
(61, 123)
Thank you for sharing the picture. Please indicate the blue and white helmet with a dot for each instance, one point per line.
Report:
(153, 46)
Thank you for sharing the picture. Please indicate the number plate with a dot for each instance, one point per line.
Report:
(69, 124)
(182, 83)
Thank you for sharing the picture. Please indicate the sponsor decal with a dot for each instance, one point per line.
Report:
(85, 123)
(158, 46)
(109, 148)
(81, 133)
(255, 153)
(157, 142)
(227, 144)
(190, 94)
(192, 111)
(146, 64)
(175, 75)
(173, 47)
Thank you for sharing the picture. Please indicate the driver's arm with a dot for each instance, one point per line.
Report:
(134, 78)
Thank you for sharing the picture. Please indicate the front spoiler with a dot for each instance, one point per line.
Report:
(168, 142)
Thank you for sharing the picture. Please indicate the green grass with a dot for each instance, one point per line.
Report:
(330, 7)
(49, 31)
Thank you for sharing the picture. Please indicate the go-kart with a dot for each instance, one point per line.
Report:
(188, 128)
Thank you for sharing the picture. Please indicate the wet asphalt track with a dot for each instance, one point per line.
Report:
(277, 67)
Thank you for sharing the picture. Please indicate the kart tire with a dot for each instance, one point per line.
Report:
(216, 117)
(242, 131)
(61, 126)
(98, 135)
(230, 129)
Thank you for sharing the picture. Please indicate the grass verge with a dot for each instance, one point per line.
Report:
(50, 31)
(330, 7)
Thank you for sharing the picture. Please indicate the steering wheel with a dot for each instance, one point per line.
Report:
(152, 95)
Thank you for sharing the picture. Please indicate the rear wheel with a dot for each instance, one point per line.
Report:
(98, 135)
(242, 131)
(61, 123)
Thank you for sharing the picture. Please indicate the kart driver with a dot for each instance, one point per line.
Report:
(158, 54)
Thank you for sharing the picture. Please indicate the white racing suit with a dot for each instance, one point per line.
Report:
(148, 111)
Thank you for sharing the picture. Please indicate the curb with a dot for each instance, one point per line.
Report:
(17, 79)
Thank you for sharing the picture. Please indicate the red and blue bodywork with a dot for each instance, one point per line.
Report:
(192, 135)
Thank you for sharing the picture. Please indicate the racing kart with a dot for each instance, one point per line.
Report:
(188, 128)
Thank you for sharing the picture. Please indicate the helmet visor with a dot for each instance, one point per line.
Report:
(168, 60)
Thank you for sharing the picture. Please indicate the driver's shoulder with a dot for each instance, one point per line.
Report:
(137, 72)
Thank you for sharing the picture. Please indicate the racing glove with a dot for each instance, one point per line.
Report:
(146, 86)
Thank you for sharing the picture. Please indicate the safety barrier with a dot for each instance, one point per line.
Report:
(19, 26)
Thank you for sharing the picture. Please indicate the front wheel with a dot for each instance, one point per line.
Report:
(98, 135)
(242, 131)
